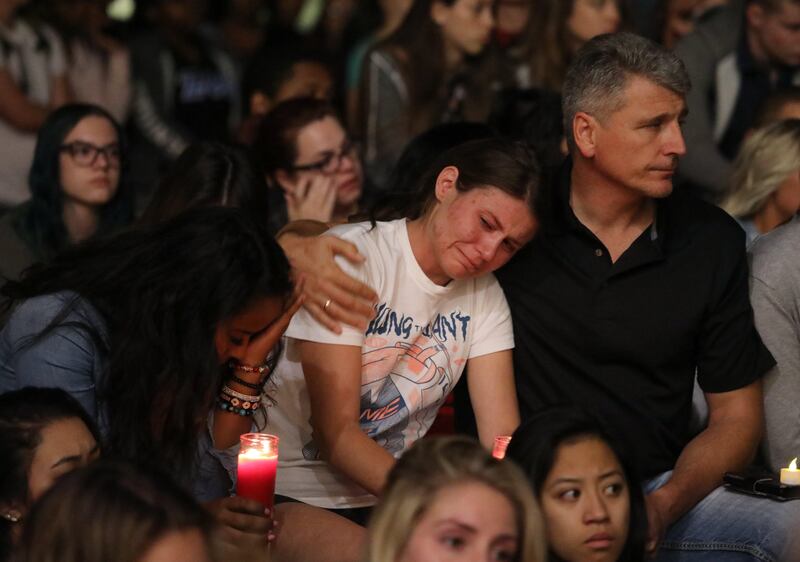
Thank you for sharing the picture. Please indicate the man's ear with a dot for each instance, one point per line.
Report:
(584, 131)
(260, 103)
(439, 12)
(755, 15)
(446, 183)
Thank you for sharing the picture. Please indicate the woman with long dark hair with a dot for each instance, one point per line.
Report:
(158, 332)
(152, 314)
(78, 188)
(422, 74)
(556, 29)
(589, 491)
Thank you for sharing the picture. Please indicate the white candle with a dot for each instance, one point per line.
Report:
(791, 476)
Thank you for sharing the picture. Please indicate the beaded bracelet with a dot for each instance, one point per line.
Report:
(256, 401)
(250, 398)
(228, 407)
(249, 404)
(260, 369)
(236, 403)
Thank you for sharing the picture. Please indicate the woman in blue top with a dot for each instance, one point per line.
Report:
(149, 331)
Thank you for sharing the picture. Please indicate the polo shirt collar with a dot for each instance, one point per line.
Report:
(564, 221)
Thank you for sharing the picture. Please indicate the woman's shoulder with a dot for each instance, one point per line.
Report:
(35, 314)
(381, 245)
(366, 230)
(485, 288)
(482, 295)
(371, 239)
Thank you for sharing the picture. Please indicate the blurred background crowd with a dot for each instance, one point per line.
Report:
(170, 73)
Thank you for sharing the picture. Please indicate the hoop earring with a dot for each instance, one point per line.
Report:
(12, 516)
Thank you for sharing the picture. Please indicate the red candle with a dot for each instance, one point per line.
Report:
(258, 465)
(500, 445)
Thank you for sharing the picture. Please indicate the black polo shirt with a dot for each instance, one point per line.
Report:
(624, 339)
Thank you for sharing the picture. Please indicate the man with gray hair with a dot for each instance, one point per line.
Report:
(630, 289)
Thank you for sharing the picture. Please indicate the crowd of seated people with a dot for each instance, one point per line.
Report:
(323, 219)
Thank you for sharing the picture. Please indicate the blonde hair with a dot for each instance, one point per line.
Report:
(433, 464)
(769, 156)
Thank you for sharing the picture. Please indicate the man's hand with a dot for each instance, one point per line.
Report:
(727, 444)
(657, 522)
(331, 296)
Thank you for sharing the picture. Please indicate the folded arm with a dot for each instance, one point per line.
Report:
(333, 379)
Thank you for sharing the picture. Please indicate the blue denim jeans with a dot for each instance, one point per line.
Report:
(731, 527)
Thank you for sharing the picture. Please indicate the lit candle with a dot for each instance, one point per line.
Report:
(500, 445)
(258, 465)
(791, 476)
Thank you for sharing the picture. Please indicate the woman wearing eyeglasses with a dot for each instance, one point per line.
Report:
(76, 188)
(310, 163)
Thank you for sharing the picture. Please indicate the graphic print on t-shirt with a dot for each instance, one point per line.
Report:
(401, 377)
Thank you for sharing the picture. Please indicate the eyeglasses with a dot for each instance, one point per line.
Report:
(332, 162)
(86, 153)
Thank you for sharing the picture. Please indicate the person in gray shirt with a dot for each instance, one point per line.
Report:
(775, 296)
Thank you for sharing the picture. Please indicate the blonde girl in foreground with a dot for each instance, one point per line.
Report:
(447, 498)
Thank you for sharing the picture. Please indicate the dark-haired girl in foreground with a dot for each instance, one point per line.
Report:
(113, 512)
(154, 330)
(592, 503)
(44, 434)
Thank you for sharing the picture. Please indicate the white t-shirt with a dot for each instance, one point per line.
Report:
(413, 353)
(33, 60)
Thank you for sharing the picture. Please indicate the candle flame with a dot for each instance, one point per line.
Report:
(793, 464)
(258, 454)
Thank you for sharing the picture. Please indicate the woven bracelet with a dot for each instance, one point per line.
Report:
(237, 380)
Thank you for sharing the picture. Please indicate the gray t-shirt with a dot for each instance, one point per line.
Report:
(775, 296)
